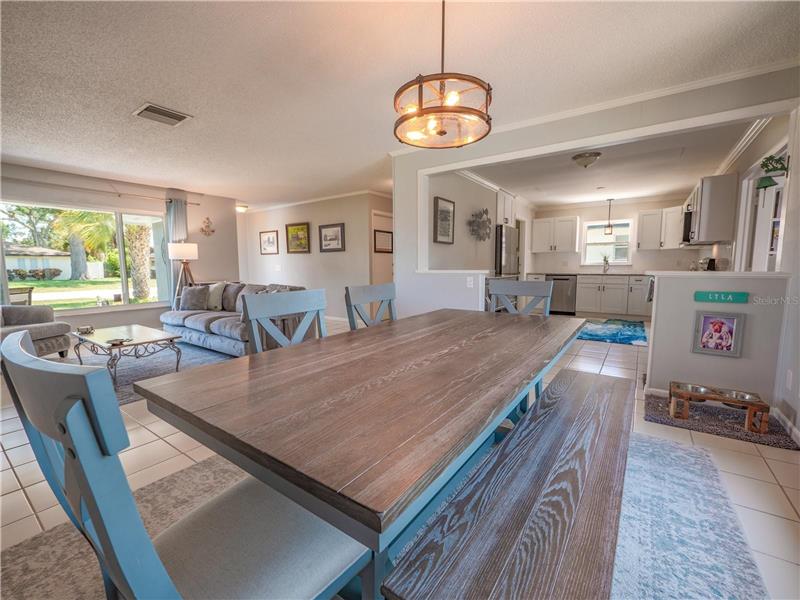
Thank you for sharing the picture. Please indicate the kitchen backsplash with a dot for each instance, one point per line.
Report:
(643, 260)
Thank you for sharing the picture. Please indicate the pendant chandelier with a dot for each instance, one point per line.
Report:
(609, 229)
(443, 110)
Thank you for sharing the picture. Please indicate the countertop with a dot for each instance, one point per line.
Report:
(592, 274)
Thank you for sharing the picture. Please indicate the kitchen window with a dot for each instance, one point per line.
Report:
(597, 245)
(79, 258)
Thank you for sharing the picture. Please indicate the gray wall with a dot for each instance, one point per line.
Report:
(329, 270)
(466, 252)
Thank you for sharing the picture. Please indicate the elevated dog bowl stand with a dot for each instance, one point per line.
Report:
(756, 419)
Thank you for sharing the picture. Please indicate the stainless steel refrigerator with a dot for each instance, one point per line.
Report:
(506, 250)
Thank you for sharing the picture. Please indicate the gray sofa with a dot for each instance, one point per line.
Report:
(224, 331)
(49, 336)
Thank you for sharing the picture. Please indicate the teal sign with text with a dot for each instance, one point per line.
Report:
(722, 297)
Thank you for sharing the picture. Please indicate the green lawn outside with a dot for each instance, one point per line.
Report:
(67, 285)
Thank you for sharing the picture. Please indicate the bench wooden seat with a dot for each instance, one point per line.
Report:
(539, 517)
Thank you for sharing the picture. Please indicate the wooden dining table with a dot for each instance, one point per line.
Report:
(368, 429)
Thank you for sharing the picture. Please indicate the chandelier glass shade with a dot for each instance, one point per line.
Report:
(443, 110)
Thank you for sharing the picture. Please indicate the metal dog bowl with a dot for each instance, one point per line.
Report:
(693, 388)
(737, 395)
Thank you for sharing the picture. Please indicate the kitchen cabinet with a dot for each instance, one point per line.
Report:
(648, 236)
(588, 293)
(557, 234)
(637, 296)
(506, 211)
(671, 227)
(614, 295)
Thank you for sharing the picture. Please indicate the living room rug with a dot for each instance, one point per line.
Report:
(615, 331)
(679, 536)
(130, 370)
(713, 417)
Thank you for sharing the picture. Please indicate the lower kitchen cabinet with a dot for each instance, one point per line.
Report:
(637, 296)
(588, 294)
(614, 296)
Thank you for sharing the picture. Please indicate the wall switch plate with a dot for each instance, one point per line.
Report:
(789, 379)
(470, 282)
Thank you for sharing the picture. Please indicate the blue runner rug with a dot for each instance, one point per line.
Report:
(616, 331)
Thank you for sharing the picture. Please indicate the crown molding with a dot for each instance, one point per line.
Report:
(321, 199)
(628, 100)
(677, 198)
(489, 184)
(744, 142)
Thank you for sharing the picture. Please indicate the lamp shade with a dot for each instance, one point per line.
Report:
(182, 251)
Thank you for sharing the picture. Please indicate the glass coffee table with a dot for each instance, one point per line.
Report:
(135, 341)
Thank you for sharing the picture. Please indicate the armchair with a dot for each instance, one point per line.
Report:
(48, 335)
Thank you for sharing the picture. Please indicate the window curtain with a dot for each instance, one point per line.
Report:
(4, 295)
(177, 229)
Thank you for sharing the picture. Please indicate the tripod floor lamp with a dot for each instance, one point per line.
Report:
(183, 252)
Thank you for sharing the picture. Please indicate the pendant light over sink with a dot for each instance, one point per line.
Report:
(609, 229)
(443, 110)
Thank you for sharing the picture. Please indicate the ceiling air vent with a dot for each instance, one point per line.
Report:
(161, 114)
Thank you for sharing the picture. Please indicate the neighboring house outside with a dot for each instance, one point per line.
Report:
(36, 257)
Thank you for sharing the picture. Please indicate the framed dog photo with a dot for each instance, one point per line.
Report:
(331, 238)
(269, 242)
(718, 333)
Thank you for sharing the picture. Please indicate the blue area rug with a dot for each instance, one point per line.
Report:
(679, 536)
(616, 331)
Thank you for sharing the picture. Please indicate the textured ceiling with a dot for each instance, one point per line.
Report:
(294, 100)
(665, 166)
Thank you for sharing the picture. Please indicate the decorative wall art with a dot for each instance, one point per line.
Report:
(298, 240)
(331, 238)
(480, 225)
(269, 242)
(444, 212)
(718, 333)
(383, 241)
(207, 230)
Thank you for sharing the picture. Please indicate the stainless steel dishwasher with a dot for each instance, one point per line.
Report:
(564, 289)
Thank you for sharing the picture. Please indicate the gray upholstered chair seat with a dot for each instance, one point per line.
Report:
(40, 331)
(230, 327)
(203, 321)
(177, 317)
(244, 544)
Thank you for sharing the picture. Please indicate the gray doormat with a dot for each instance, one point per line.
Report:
(714, 418)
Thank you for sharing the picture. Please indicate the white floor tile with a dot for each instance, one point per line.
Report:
(790, 456)
(4, 464)
(770, 534)
(41, 496)
(7, 412)
(708, 440)
(740, 463)
(8, 482)
(663, 431)
(181, 441)
(622, 363)
(29, 473)
(586, 364)
(158, 471)
(139, 436)
(781, 578)
(138, 410)
(794, 498)
(14, 439)
(201, 453)
(618, 372)
(18, 532)
(136, 459)
(788, 474)
(20, 455)
(161, 428)
(592, 353)
(52, 516)
(10, 425)
(758, 495)
(13, 507)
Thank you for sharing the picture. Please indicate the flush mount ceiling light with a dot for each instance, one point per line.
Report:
(586, 159)
(443, 110)
(241, 208)
(609, 229)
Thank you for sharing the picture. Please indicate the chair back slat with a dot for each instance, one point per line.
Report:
(260, 310)
(538, 292)
(72, 418)
(359, 297)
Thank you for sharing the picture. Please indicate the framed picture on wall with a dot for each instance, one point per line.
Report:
(718, 333)
(331, 238)
(383, 241)
(298, 239)
(444, 212)
(268, 241)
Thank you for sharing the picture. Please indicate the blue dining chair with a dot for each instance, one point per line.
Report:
(260, 309)
(357, 299)
(247, 542)
(538, 292)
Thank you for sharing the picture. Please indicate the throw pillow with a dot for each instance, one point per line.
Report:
(194, 298)
(250, 288)
(229, 296)
(215, 295)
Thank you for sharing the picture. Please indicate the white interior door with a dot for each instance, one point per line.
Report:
(767, 229)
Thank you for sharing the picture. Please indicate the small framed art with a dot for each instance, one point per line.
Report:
(268, 241)
(718, 333)
(444, 212)
(383, 241)
(331, 238)
(298, 240)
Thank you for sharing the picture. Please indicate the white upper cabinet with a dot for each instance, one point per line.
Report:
(559, 234)
(649, 230)
(672, 227)
(565, 234)
(506, 212)
(542, 234)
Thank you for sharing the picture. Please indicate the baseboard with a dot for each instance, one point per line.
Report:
(794, 432)
(656, 392)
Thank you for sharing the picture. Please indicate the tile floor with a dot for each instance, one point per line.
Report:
(763, 482)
